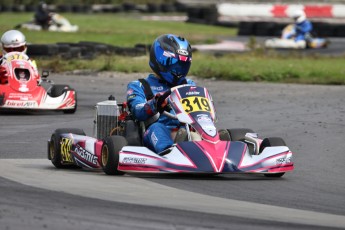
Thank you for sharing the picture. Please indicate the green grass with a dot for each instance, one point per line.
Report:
(249, 67)
(116, 29)
(128, 30)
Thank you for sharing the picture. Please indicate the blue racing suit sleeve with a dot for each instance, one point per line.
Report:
(302, 29)
(139, 106)
(137, 103)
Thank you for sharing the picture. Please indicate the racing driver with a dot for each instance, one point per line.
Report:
(170, 60)
(303, 26)
(12, 41)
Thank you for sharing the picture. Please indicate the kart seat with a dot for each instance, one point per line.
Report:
(132, 133)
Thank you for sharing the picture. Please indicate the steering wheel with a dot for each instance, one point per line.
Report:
(167, 108)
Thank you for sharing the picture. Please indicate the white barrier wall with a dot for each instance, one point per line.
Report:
(281, 10)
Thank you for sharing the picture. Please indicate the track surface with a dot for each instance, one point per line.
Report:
(239, 44)
(311, 119)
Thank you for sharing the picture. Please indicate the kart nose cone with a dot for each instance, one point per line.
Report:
(210, 130)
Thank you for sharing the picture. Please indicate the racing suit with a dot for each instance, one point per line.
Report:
(43, 18)
(3, 72)
(303, 30)
(157, 136)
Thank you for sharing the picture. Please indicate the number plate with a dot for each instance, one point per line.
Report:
(196, 104)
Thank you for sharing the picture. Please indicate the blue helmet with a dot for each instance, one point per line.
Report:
(170, 58)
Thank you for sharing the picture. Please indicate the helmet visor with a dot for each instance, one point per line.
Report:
(178, 66)
(15, 49)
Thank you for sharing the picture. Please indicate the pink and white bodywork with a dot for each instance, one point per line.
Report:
(203, 153)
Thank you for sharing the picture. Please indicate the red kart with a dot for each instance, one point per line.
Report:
(24, 89)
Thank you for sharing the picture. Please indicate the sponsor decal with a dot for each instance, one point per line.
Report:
(131, 96)
(26, 104)
(203, 118)
(130, 91)
(192, 93)
(86, 155)
(283, 160)
(134, 160)
(168, 54)
(157, 88)
(182, 52)
(23, 88)
(21, 96)
(154, 139)
(66, 145)
(139, 106)
(20, 63)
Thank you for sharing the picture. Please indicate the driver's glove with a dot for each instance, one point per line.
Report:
(3, 70)
(3, 75)
(161, 101)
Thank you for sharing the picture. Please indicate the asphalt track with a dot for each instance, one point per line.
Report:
(239, 44)
(310, 118)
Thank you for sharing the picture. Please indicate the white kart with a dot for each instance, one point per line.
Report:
(287, 41)
(58, 23)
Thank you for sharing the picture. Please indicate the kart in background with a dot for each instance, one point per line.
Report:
(26, 90)
(58, 23)
(287, 41)
(200, 148)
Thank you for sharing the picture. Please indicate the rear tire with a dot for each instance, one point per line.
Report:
(54, 149)
(110, 154)
(269, 142)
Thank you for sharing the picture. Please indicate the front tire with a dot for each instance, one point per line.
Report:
(234, 134)
(58, 90)
(110, 154)
(54, 147)
(269, 142)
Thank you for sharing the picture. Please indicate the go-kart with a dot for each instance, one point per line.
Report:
(199, 147)
(58, 23)
(26, 90)
(287, 41)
